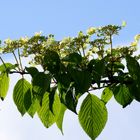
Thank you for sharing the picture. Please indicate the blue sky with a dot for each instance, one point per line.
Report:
(65, 18)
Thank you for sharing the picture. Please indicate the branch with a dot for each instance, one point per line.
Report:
(20, 72)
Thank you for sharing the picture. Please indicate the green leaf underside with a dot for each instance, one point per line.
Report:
(46, 116)
(92, 116)
(122, 95)
(20, 89)
(4, 85)
(106, 95)
(59, 121)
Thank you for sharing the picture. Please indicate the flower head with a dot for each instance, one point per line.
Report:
(134, 44)
(137, 37)
(8, 41)
(91, 30)
(38, 33)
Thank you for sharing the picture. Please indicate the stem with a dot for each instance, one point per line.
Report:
(95, 88)
(111, 46)
(16, 60)
(20, 60)
(3, 62)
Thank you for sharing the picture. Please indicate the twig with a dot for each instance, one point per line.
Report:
(20, 60)
(16, 60)
(3, 62)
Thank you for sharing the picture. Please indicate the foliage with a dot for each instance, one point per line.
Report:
(69, 69)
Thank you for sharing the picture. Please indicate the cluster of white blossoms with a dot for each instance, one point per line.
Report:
(136, 40)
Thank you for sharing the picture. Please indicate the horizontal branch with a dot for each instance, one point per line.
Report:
(20, 72)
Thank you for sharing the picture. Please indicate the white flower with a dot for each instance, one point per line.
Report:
(134, 44)
(137, 37)
(95, 49)
(1, 50)
(124, 23)
(66, 40)
(91, 30)
(89, 53)
(38, 33)
(24, 39)
(8, 41)
(108, 51)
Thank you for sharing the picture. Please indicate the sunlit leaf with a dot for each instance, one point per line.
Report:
(7, 67)
(34, 107)
(46, 116)
(92, 116)
(122, 95)
(59, 120)
(4, 85)
(106, 95)
(20, 89)
(51, 98)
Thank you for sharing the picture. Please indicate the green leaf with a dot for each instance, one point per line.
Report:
(97, 67)
(134, 70)
(7, 67)
(122, 95)
(4, 84)
(71, 101)
(93, 116)
(28, 99)
(59, 120)
(44, 112)
(118, 65)
(32, 71)
(51, 98)
(41, 83)
(82, 80)
(68, 97)
(64, 79)
(51, 61)
(20, 89)
(73, 57)
(106, 95)
(34, 107)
